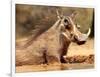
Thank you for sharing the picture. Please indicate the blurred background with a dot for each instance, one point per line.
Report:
(34, 19)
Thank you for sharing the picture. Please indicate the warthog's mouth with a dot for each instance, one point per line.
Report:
(81, 42)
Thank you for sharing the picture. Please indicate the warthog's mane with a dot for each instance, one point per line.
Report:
(37, 32)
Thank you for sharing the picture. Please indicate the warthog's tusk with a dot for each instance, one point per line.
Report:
(89, 31)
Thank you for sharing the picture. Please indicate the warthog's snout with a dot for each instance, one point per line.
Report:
(80, 39)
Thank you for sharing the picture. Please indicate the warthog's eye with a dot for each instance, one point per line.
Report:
(66, 21)
(66, 24)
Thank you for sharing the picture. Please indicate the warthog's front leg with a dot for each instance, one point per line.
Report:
(53, 58)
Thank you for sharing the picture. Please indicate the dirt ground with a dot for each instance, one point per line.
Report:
(86, 49)
(78, 57)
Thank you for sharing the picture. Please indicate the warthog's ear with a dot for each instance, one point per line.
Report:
(59, 16)
(73, 14)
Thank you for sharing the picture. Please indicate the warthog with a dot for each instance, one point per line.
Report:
(51, 46)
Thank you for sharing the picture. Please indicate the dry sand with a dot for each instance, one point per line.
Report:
(86, 49)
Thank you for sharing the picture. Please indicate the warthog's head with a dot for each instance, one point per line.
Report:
(70, 29)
